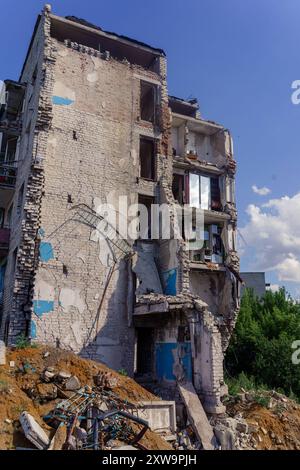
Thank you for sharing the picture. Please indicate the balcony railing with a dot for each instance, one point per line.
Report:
(8, 174)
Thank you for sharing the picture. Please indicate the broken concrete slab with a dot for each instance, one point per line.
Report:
(63, 375)
(197, 416)
(72, 384)
(2, 353)
(47, 376)
(160, 414)
(225, 436)
(59, 438)
(144, 266)
(33, 431)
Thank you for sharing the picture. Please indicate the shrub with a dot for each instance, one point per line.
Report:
(261, 343)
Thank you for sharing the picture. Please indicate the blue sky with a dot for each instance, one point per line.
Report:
(239, 58)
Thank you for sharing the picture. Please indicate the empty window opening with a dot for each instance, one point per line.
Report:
(183, 334)
(215, 194)
(178, 188)
(212, 249)
(204, 192)
(147, 102)
(144, 351)
(147, 166)
(145, 225)
(10, 153)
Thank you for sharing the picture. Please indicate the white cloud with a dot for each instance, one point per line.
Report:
(261, 191)
(272, 237)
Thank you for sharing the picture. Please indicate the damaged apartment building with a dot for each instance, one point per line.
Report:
(89, 122)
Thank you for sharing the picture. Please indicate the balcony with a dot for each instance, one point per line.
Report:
(11, 110)
(8, 175)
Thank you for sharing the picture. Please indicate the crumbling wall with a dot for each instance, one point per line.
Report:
(25, 219)
(81, 294)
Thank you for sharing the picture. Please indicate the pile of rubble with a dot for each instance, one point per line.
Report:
(265, 420)
(52, 399)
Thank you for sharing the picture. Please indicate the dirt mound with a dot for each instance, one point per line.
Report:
(273, 420)
(21, 389)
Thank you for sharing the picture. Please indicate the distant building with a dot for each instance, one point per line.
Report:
(255, 281)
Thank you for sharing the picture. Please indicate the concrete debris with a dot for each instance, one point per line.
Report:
(47, 376)
(72, 383)
(59, 438)
(46, 391)
(63, 375)
(125, 448)
(105, 380)
(161, 415)
(197, 415)
(225, 436)
(33, 431)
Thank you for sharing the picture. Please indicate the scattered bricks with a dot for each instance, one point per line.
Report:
(242, 427)
(72, 383)
(105, 380)
(2, 353)
(225, 436)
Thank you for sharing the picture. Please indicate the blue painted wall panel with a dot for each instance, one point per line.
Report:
(169, 281)
(59, 100)
(33, 330)
(165, 360)
(46, 251)
(43, 306)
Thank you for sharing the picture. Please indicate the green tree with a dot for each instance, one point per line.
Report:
(261, 345)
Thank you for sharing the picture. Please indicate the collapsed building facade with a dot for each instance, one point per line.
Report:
(89, 122)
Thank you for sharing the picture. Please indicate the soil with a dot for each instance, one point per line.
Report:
(18, 382)
(276, 426)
